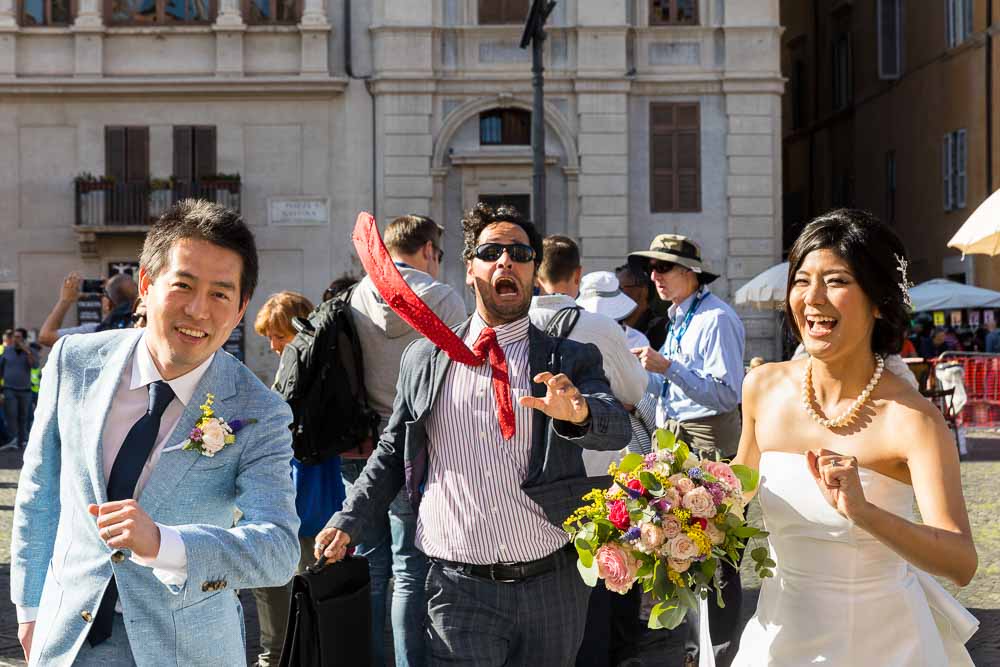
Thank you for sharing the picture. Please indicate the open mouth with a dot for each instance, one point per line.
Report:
(506, 288)
(188, 333)
(820, 325)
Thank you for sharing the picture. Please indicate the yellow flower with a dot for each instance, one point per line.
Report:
(701, 540)
(674, 577)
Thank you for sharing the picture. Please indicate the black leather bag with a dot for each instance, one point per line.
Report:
(330, 617)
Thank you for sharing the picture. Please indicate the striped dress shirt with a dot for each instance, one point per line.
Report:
(473, 509)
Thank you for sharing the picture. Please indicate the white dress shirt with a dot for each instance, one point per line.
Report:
(130, 403)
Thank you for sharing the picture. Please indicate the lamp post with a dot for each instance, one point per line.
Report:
(534, 34)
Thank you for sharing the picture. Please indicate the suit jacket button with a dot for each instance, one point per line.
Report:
(117, 557)
(85, 615)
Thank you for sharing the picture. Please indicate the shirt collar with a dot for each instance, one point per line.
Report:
(680, 310)
(144, 372)
(508, 333)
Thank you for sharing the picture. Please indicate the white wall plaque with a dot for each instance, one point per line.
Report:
(298, 210)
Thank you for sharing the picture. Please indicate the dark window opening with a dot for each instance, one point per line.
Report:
(505, 127)
(675, 157)
(502, 12)
(194, 153)
(673, 12)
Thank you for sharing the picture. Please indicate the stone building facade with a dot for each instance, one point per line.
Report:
(661, 116)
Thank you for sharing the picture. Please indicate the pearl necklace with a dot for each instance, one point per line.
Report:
(852, 412)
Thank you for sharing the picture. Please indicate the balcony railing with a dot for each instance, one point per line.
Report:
(104, 203)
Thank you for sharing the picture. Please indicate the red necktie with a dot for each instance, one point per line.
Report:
(488, 347)
(404, 301)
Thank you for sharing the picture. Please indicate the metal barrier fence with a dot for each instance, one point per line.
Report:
(980, 375)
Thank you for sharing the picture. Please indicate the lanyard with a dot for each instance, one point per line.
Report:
(674, 336)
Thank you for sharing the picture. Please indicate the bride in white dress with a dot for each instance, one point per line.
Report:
(843, 449)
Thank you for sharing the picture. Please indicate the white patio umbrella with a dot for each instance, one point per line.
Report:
(980, 234)
(765, 291)
(941, 294)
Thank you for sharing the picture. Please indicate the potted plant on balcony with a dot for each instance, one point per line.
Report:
(91, 193)
(226, 188)
(160, 196)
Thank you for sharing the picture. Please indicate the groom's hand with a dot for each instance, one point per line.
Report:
(25, 631)
(562, 400)
(122, 524)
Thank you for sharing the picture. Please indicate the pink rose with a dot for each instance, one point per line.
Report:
(618, 514)
(679, 566)
(671, 527)
(672, 496)
(682, 483)
(714, 534)
(700, 502)
(682, 548)
(651, 535)
(722, 471)
(616, 567)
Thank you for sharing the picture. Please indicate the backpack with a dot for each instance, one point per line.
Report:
(322, 378)
(560, 327)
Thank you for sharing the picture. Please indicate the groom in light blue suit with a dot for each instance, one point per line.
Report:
(124, 549)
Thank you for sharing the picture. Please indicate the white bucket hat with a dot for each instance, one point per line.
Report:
(600, 293)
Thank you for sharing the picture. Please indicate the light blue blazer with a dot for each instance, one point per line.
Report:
(60, 564)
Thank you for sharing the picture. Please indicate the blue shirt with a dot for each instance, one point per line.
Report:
(705, 376)
(319, 493)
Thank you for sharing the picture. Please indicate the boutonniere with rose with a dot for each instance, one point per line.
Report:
(212, 434)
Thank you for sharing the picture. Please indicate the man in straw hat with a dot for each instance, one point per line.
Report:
(698, 377)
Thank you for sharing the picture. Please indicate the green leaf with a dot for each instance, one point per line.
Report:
(687, 598)
(681, 453)
(667, 615)
(589, 574)
(660, 581)
(665, 439)
(630, 462)
(759, 554)
(649, 481)
(708, 569)
(749, 478)
(585, 553)
(745, 531)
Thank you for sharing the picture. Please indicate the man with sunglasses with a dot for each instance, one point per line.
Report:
(413, 242)
(491, 453)
(697, 376)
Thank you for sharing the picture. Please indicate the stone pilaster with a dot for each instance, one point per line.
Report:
(8, 38)
(88, 37)
(229, 29)
(314, 29)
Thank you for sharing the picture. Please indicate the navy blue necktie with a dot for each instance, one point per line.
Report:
(124, 476)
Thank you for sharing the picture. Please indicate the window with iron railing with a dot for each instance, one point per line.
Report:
(958, 21)
(890, 38)
(159, 12)
(953, 168)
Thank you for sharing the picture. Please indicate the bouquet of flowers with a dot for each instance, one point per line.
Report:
(666, 522)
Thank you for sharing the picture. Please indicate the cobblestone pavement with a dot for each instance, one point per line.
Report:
(982, 596)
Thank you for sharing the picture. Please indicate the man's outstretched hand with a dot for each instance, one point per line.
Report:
(562, 400)
(332, 543)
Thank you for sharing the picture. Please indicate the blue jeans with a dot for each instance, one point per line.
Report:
(389, 546)
(17, 406)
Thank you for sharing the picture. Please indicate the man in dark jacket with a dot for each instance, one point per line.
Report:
(493, 478)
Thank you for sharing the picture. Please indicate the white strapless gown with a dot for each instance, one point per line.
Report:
(839, 597)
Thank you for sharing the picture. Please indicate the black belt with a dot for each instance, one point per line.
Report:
(512, 572)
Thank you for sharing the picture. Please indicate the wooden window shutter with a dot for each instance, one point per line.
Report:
(490, 11)
(114, 153)
(204, 152)
(183, 163)
(688, 158)
(137, 156)
(675, 157)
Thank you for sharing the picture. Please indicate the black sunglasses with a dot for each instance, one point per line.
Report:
(491, 252)
(662, 267)
(440, 254)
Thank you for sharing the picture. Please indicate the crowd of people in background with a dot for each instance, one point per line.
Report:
(672, 354)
